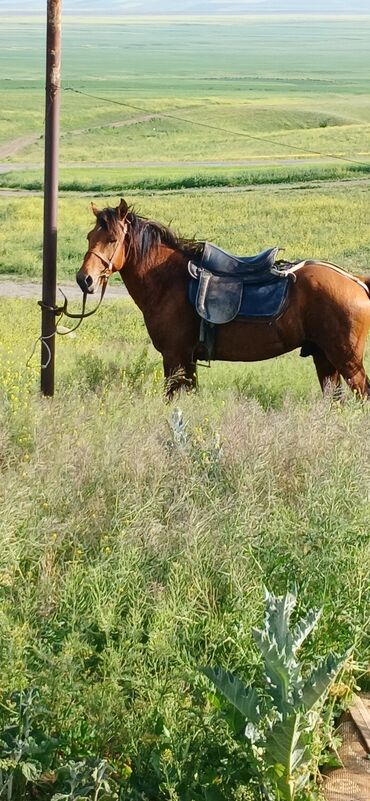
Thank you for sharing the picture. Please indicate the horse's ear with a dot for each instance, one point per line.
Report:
(122, 209)
(94, 209)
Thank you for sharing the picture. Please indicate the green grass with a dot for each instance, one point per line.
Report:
(329, 223)
(297, 81)
(157, 179)
(170, 140)
(109, 52)
(125, 562)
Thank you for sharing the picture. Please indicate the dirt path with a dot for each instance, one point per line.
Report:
(115, 124)
(11, 148)
(10, 288)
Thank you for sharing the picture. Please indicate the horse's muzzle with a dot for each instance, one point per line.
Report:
(85, 282)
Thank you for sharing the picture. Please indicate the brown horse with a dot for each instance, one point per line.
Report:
(327, 314)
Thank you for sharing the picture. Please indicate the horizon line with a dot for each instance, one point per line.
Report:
(274, 15)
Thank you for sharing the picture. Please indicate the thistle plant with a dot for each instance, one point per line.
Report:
(178, 426)
(282, 721)
(25, 749)
(88, 779)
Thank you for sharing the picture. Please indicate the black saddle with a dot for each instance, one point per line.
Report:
(252, 269)
(223, 286)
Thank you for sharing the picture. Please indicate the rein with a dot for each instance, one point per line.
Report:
(62, 311)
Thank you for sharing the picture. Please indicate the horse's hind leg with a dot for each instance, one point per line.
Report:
(357, 380)
(348, 359)
(328, 375)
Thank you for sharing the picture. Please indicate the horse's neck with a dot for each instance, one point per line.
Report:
(146, 282)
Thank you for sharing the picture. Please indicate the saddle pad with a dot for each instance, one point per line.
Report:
(256, 300)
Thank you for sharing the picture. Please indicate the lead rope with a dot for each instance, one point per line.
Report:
(60, 312)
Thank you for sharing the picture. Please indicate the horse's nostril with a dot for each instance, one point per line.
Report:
(88, 280)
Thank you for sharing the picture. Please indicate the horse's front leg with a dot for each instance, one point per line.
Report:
(180, 374)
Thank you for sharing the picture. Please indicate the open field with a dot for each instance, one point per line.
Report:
(330, 223)
(126, 562)
(133, 561)
(128, 558)
(299, 84)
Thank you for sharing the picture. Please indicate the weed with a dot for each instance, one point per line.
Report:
(283, 721)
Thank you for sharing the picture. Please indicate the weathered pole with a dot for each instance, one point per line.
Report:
(49, 270)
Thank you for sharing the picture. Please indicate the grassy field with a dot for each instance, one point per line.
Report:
(299, 84)
(329, 223)
(92, 179)
(129, 559)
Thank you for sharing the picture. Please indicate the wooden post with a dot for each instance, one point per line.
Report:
(49, 273)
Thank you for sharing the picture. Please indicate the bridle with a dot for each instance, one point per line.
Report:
(105, 274)
(60, 311)
(110, 266)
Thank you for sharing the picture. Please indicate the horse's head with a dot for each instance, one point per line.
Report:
(107, 247)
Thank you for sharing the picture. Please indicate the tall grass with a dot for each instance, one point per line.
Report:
(101, 179)
(128, 559)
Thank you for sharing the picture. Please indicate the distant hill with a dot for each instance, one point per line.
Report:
(204, 7)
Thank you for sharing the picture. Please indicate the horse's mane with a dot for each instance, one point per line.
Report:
(145, 236)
